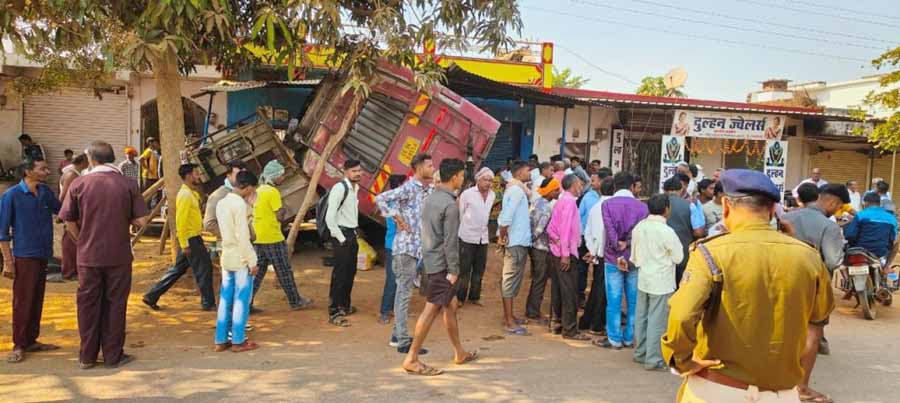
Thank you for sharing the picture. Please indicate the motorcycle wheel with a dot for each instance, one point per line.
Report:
(868, 304)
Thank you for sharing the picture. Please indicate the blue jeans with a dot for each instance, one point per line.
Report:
(616, 282)
(234, 306)
(390, 284)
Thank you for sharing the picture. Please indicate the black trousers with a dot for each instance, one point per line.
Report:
(582, 267)
(472, 259)
(200, 263)
(563, 296)
(540, 260)
(343, 273)
(594, 316)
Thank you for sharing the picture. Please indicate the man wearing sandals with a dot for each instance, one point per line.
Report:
(514, 232)
(99, 210)
(342, 218)
(440, 252)
(738, 322)
(404, 205)
(564, 232)
(239, 266)
(26, 212)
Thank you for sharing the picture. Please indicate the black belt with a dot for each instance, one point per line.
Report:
(347, 229)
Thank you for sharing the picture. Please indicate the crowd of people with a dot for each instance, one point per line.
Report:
(692, 278)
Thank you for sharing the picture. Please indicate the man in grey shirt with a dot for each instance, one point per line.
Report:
(209, 215)
(440, 253)
(811, 225)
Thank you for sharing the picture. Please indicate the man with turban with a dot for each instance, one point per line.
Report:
(541, 209)
(130, 167)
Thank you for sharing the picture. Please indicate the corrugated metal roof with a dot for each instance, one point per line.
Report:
(689, 103)
(469, 84)
(232, 86)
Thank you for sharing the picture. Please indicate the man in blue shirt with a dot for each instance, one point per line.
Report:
(515, 236)
(874, 228)
(26, 212)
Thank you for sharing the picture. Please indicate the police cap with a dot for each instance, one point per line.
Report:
(745, 182)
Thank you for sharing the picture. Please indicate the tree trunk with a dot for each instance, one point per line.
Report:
(317, 172)
(171, 126)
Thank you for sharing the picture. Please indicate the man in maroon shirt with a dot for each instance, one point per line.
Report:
(98, 210)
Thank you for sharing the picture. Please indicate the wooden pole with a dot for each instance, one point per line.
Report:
(320, 168)
(893, 168)
(148, 194)
(163, 236)
(143, 229)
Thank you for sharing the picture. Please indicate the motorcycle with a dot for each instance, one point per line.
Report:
(863, 276)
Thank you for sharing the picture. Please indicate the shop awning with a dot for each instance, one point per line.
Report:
(472, 85)
(233, 86)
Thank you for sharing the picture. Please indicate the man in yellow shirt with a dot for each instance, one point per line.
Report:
(149, 161)
(268, 213)
(192, 253)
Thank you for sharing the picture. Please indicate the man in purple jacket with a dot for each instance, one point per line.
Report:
(620, 215)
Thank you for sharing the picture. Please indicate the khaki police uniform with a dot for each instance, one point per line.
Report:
(773, 286)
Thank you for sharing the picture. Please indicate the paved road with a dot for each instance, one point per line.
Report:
(303, 359)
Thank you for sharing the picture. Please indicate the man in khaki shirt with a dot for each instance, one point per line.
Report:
(746, 346)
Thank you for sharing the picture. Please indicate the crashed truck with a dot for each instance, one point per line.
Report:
(394, 123)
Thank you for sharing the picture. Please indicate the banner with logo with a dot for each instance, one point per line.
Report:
(721, 125)
(672, 155)
(776, 163)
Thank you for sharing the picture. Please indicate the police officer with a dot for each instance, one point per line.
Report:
(737, 325)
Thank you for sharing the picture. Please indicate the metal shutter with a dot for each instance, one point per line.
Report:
(882, 169)
(840, 166)
(73, 118)
(501, 150)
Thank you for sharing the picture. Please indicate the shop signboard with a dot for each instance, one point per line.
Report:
(776, 163)
(723, 125)
(672, 155)
(618, 150)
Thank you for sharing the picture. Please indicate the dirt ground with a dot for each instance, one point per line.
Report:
(305, 359)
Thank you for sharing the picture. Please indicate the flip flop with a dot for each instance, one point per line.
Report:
(38, 347)
(424, 370)
(820, 398)
(470, 356)
(245, 346)
(339, 321)
(578, 337)
(519, 331)
(16, 356)
(222, 347)
(521, 322)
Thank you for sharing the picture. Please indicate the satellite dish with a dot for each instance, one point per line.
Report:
(675, 78)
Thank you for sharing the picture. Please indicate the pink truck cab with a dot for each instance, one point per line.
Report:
(394, 123)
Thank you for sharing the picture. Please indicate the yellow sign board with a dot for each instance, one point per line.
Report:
(498, 70)
(409, 150)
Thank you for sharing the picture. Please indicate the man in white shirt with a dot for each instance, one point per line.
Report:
(342, 219)
(239, 265)
(593, 320)
(475, 205)
(815, 178)
(655, 250)
(855, 197)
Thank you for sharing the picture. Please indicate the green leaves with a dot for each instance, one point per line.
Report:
(884, 104)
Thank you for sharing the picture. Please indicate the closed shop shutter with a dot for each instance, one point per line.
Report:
(501, 150)
(840, 166)
(72, 118)
(882, 169)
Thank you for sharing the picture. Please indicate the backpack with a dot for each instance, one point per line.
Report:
(322, 209)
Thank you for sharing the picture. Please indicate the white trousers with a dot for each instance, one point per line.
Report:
(700, 390)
